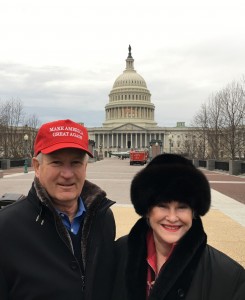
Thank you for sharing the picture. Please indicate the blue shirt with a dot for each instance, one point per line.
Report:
(75, 225)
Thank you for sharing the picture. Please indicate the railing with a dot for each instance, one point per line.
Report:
(243, 167)
(222, 165)
(13, 163)
(234, 167)
(17, 163)
(203, 163)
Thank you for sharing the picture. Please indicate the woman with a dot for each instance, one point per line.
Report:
(166, 255)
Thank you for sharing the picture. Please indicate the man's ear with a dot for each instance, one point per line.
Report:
(36, 165)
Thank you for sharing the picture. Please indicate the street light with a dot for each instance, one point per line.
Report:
(155, 147)
(170, 138)
(150, 153)
(100, 152)
(26, 137)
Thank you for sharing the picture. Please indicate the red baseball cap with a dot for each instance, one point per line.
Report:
(61, 134)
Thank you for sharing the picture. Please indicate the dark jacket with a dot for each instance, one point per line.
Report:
(36, 255)
(194, 271)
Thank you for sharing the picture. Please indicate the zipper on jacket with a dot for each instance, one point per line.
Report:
(83, 282)
(80, 266)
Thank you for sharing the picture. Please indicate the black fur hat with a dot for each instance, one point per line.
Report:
(170, 177)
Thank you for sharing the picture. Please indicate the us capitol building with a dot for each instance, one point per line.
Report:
(130, 118)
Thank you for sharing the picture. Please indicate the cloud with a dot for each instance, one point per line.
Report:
(55, 92)
(61, 58)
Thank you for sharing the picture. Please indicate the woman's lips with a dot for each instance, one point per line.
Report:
(172, 228)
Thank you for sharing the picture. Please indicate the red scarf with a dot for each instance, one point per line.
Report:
(152, 261)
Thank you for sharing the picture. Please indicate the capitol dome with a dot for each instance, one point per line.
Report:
(129, 99)
(129, 78)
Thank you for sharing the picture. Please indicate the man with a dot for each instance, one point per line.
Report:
(57, 243)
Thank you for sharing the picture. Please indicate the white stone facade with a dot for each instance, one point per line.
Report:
(130, 121)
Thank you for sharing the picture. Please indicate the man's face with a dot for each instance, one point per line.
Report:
(62, 173)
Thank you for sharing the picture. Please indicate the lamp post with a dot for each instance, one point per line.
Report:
(91, 146)
(26, 137)
(100, 152)
(150, 153)
(155, 148)
(170, 138)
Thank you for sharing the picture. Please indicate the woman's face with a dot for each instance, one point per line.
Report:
(170, 221)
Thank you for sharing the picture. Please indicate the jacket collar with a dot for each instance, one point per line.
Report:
(177, 271)
(94, 199)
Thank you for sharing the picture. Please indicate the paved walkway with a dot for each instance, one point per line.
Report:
(224, 223)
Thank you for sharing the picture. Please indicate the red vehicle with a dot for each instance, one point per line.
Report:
(138, 157)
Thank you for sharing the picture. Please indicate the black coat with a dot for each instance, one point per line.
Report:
(36, 255)
(194, 271)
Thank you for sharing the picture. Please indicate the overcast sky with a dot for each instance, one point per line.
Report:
(61, 57)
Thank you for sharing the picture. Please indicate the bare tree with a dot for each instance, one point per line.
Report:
(32, 124)
(14, 124)
(232, 117)
(221, 123)
(214, 128)
(12, 115)
(200, 121)
(189, 144)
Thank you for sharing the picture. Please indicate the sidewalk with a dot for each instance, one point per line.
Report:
(16, 170)
(224, 223)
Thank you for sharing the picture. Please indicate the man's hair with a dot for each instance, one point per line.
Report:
(39, 157)
(84, 155)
